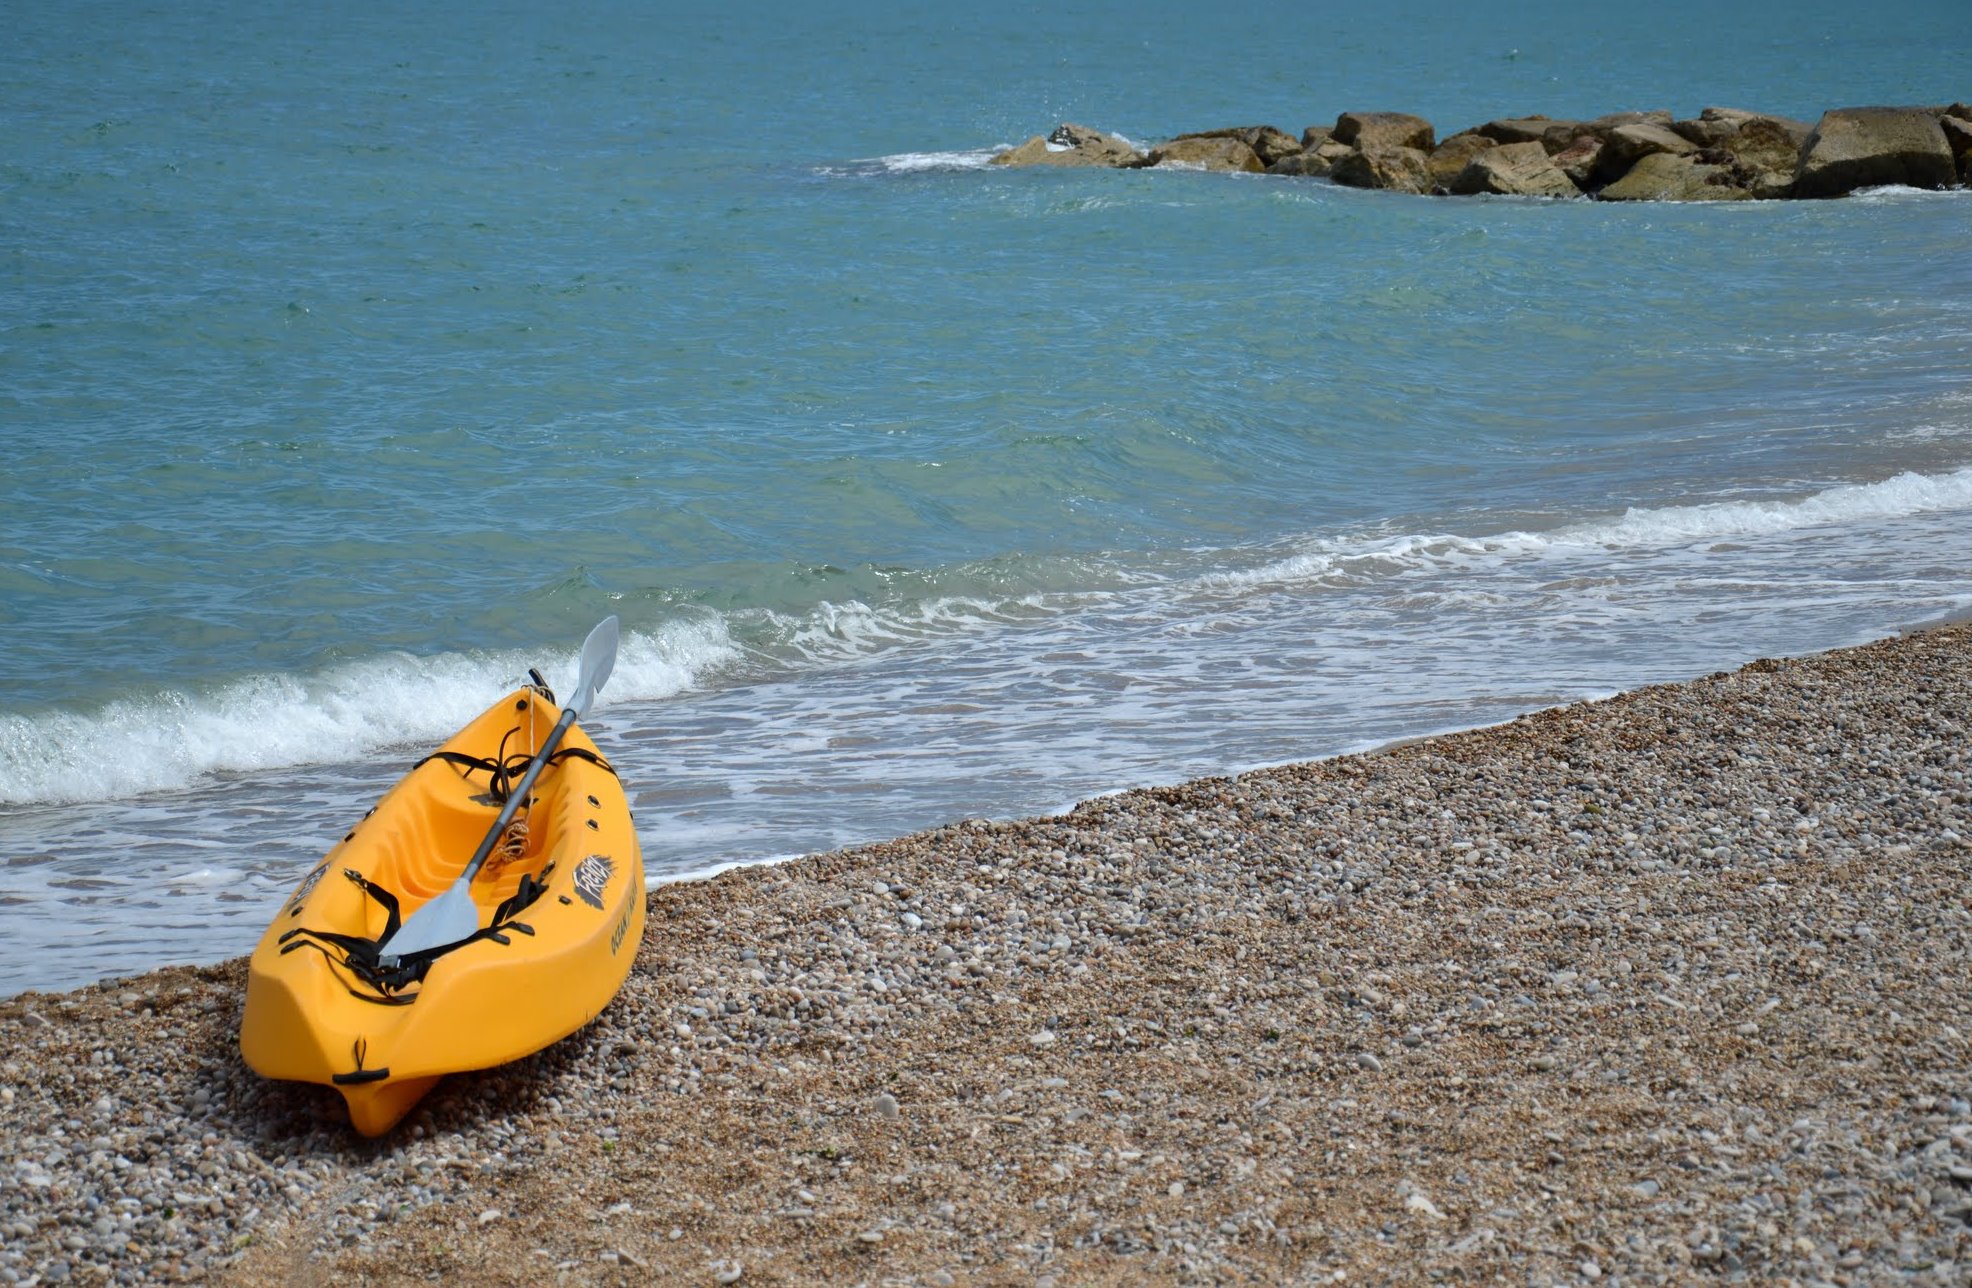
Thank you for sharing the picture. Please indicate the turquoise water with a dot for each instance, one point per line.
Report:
(352, 361)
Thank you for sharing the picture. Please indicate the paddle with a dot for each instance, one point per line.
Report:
(453, 916)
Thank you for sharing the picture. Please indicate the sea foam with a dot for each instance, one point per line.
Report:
(1351, 558)
(171, 739)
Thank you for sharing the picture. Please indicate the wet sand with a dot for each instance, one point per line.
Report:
(1673, 985)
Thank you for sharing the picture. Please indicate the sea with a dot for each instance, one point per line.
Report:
(355, 358)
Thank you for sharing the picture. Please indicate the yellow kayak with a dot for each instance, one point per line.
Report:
(560, 904)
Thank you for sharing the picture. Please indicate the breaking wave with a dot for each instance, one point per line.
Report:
(172, 739)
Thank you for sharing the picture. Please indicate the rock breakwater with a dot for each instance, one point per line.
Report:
(1722, 154)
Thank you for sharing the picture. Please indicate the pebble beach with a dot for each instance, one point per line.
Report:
(1665, 987)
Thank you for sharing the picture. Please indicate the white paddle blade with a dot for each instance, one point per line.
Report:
(450, 917)
(598, 660)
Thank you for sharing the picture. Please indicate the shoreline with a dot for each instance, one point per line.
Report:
(1663, 984)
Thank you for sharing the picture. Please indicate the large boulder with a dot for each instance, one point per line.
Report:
(1366, 130)
(1715, 126)
(1314, 163)
(1528, 129)
(1958, 134)
(1073, 145)
(1559, 136)
(1601, 126)
(1035, 152)
(1514, 169)
(1666, 176)
(1578, 159)
(1268, 143)
(1450, 158)
(1396, 169)
(1861, 147)
(1625, 145)
(1764, 153)
(1316, 135)
(1762, 150)
(1207, 153)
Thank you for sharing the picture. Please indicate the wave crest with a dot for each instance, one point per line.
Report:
(1352, 559)
(171, 739)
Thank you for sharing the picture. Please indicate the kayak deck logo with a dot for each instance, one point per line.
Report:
(592, 878)
(307, 888)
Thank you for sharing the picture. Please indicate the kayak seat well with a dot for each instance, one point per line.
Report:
(435, 838)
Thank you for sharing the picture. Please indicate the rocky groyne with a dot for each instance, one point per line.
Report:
(1722, 154)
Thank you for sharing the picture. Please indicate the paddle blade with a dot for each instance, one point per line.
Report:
(450, 917)
(598, 660)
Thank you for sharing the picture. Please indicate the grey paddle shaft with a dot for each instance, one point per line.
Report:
(518, 796)
(453, 915)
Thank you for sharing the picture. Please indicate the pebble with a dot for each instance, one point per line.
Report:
(1423, 1206)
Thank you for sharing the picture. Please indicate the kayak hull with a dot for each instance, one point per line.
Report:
(556, 957)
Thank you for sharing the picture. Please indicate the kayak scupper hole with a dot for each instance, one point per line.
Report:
(593, 826)
(594, 803)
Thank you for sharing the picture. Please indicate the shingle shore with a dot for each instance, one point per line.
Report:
(1637, 991)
